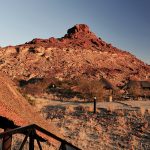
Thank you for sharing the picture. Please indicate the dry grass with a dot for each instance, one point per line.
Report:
(114, 126)
(69, 109)
(18, 139)
(142, 111)
(30, 100)
(111, 107)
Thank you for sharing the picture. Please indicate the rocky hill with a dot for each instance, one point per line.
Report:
(79, 53)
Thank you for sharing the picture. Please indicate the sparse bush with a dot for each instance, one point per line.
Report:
(63, 89)
(91, 89)
(135, 90)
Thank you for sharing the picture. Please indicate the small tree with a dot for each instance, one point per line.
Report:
(91, 89)
(135, 89)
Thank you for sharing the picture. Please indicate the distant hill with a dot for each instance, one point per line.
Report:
(79, 53)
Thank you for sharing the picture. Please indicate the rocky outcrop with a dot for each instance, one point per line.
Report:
(79, 53)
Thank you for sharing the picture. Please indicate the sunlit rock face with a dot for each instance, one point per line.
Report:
(79, 53)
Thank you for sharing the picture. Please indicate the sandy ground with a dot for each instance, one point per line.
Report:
(116, 125)
(130, 105)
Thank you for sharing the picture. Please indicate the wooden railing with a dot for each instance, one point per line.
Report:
(30, 132)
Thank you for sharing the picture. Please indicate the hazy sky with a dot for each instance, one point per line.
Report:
(124, 23)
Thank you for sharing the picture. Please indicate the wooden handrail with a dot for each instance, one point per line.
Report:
(33, 127)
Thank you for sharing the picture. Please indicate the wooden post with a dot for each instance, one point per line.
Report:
(62, 147)
(94, 105)
(24, 141)
(31, 141)
(7, 141)
(39, 144)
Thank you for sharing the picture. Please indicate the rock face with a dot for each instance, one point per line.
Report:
(79, 28)
(81, 35)
(79, 53)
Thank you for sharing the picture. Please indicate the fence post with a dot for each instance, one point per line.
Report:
(31, 141)
(94, 105)
(7, 141)
(63, 146)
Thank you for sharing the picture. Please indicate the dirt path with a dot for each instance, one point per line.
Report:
(129, 105)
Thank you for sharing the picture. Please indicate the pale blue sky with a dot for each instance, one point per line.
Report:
(124, 23)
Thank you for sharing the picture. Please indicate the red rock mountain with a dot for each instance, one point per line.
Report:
(79, 53)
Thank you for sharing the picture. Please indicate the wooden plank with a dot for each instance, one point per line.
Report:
(7, 141)
(63, 147)
(39, 144)
(31, 141)
(35, 127)
(16, 130)
(24, 141)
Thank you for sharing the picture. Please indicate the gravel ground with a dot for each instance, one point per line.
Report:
(117, 125)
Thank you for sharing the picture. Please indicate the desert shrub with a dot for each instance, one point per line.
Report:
(117, 94)
(135, 90)
(36, 86)
(91, 89)
(63, 89)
